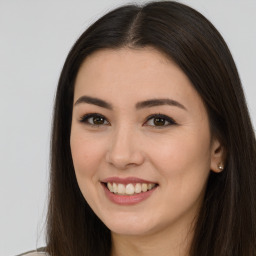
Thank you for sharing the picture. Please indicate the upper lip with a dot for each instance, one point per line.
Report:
(126, 180)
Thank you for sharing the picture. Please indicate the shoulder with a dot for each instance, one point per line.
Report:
(34, 254)
(38, 252)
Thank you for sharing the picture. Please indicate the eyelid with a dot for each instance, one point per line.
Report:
(84, 119)
(167, 118)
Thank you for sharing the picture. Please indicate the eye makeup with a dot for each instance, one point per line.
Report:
(159, 121)
(94, 119)
(154, 120)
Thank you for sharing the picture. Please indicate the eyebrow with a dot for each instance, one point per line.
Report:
(94, 101)
(140, 105)
(159, 102)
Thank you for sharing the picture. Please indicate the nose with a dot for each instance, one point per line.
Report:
(125, 149)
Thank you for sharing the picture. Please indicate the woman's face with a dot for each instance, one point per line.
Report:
(140, 129)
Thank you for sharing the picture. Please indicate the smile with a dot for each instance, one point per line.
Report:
(129, 189)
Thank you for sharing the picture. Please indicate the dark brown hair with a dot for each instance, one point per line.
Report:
(226, 225)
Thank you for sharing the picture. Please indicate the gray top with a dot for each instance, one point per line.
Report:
(34, 253)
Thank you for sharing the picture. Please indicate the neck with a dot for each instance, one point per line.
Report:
(171, 242)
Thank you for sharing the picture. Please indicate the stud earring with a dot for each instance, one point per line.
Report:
(220, 167)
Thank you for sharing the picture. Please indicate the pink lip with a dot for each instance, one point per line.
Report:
(126, 181)
(126, 199)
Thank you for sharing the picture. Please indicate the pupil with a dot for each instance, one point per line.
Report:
(159, 121)
(98, 120)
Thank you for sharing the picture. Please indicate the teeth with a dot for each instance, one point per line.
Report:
(121, 189)
(138, 188)
(110, 187)
(144, 187)
(129, 189)
(114, 188)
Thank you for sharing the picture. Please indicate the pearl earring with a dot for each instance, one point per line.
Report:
(220, 167)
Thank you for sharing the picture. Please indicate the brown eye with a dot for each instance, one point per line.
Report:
(159, 121)
(94, 119)
(98, 120)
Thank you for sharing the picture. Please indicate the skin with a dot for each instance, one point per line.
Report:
(177, 156)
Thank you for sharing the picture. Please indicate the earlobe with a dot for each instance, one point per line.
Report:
(220, 167)
(217, 157)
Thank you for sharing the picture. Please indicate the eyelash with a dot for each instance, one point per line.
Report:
(163, 117)
(85, 119)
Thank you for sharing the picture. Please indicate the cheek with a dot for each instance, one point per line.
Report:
(87, 153)
(87, 158)
(183, 162)
(184, 166)
(177, 151)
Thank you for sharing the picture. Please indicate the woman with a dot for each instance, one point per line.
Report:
(153, 151)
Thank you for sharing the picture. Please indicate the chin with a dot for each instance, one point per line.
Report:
(129, 226)
(129, 231)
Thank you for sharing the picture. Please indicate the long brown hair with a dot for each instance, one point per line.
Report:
(226, 225)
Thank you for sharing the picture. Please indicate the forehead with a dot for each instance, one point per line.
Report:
(134, 74)
(138, 56)
(108, 66)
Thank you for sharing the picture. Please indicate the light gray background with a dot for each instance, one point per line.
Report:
(35, 37)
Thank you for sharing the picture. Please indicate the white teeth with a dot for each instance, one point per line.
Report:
(138, 188)
(110, 187)
(121, 189)
(129, 189)
(114, 188)
(144, 187)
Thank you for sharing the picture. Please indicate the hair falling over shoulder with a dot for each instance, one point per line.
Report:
(226, 224)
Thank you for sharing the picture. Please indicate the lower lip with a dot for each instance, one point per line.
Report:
(128, 200)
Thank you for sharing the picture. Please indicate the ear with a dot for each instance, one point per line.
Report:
(217, 156)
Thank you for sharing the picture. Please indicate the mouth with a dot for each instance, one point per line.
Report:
(129, 189)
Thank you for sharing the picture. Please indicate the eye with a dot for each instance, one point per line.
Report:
(159, 121)
(94, 119)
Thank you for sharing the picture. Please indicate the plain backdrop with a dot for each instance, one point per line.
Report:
(35, 37)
